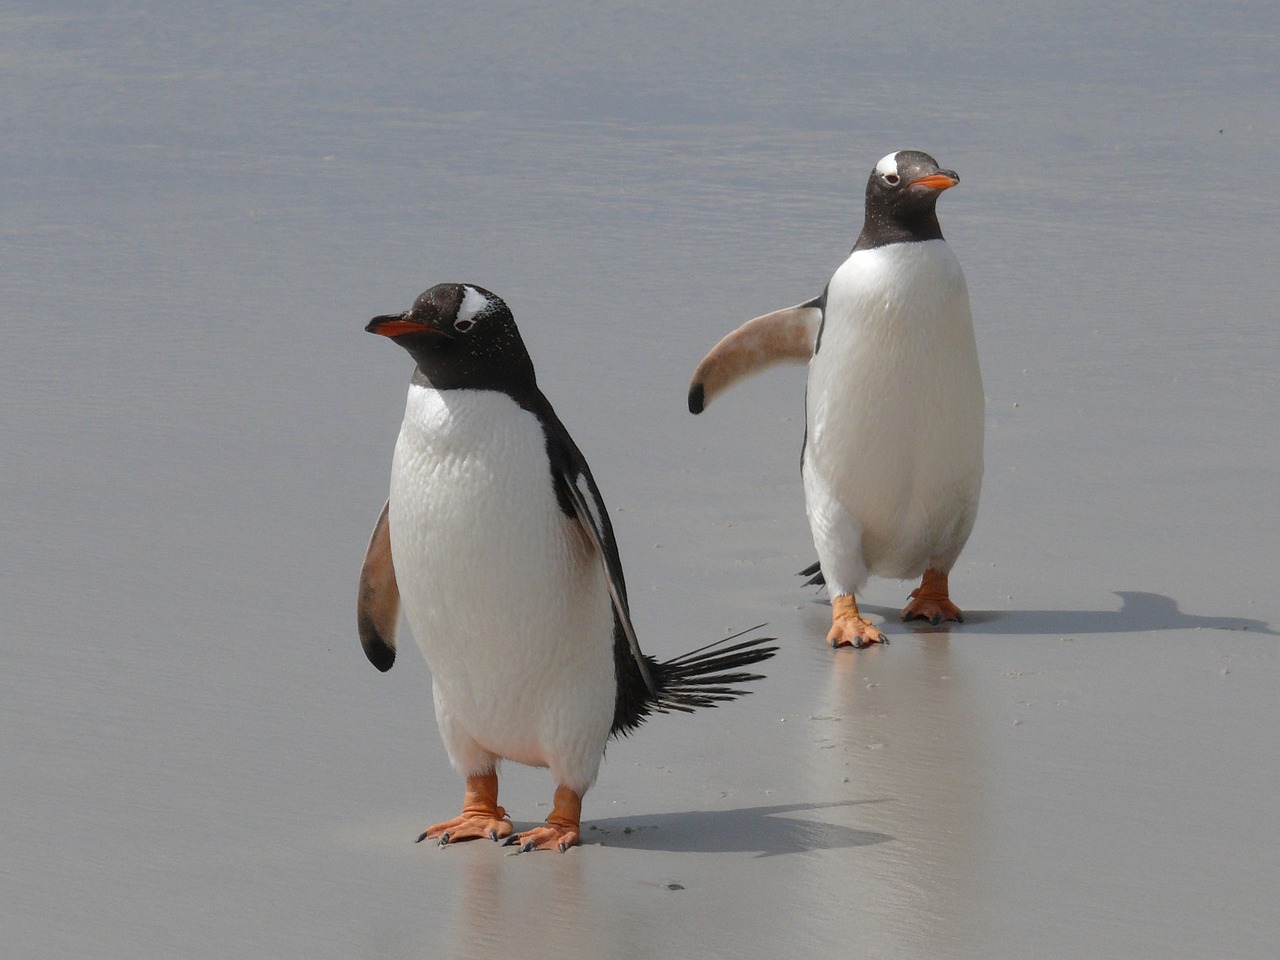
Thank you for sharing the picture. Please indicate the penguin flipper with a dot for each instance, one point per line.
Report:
(588, 508)
(581, 502)
(378, 600)
(784, 336)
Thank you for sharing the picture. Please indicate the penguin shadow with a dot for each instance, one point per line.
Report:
(1140, 612)
(767, 831)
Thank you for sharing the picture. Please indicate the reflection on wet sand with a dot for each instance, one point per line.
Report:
(897, 725)
(501, 914)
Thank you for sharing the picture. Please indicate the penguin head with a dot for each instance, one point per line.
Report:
(902, 193)
(462, 337)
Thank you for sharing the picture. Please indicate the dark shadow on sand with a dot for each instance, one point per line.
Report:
(766, 831)
(1139, 612)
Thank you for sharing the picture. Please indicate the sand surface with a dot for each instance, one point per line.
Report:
(204, 206)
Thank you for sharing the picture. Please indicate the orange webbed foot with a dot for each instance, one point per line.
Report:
(849, 628)
(561, 830)
(469, 827)
(481, 816)
(931, 601)
(545, 837)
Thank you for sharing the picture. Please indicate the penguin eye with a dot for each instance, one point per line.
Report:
(891, 179)
(464, 324)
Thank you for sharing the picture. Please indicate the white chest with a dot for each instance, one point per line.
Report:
(895, 401)
(894, 307)
(474, 516)
(502, 592)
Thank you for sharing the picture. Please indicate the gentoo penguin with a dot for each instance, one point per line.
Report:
(892, 460)
(497, 542)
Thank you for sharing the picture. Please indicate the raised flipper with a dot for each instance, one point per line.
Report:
(784, 336)
(378, 602)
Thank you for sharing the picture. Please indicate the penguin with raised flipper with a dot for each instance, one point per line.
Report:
(892, 461)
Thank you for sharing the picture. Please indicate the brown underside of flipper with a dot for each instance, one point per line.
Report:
(932, 601)
(784, 336)
(378, 600)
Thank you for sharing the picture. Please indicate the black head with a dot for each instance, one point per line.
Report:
(902, 193)
(463, 338)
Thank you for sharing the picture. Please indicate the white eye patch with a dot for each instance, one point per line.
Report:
(473, 304)
(888, 165)
(887, 169)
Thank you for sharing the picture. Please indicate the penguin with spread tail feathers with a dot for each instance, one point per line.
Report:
(497, 543)
(892, 461)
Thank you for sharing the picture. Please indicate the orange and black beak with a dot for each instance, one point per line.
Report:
(398, 325)
(942, 180)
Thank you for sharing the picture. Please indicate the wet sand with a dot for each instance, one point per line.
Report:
(203, 214)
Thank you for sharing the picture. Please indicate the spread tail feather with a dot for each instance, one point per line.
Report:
(706, 677)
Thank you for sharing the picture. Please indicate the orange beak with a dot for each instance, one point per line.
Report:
(397, 326)
(936, 181)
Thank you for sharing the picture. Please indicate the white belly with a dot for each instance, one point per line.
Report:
(895, 407)
(507, 602)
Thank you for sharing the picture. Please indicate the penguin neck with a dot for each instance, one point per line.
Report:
(518, 382)
(880, 229)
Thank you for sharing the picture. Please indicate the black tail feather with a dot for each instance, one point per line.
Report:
(705, 677)
(814, 572)
(709, 675)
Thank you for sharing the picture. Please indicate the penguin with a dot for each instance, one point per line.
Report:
(894, 405)
(497, 544)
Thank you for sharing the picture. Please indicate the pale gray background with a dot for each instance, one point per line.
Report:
(204, 203)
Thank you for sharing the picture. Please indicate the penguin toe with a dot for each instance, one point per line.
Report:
(854, 632)
(549, 836)
(474, 826)
(933, 609)
(560, 831)
(931, 600)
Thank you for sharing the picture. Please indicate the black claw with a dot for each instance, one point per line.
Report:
(493, 835)
(514, 838)
(857, 643)
(444, 839)
(527, 846)
(421, 838)
(935, 620)
(884, 639)
(564, 847)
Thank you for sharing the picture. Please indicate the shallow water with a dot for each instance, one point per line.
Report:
(203, 206)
